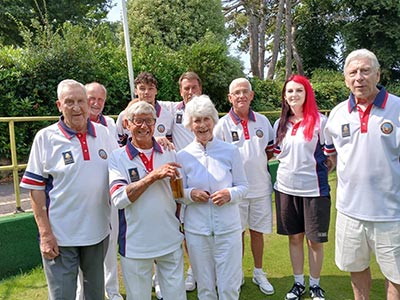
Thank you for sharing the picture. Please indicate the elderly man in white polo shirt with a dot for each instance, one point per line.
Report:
(363, 133)
(67, 177)
(252, 133)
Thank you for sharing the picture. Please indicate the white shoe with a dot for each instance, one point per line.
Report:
(190, 283)
(261, 280)
(116, 297)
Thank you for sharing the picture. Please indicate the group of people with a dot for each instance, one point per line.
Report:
(80, 180)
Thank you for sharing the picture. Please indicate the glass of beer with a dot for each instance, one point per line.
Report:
(177, 187)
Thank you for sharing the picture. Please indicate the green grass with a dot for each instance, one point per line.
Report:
(276, 263)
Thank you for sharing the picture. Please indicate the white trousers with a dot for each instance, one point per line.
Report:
(137, 275)
(110, 262)
(217, 264)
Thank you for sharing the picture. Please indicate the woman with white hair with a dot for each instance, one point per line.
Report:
(214, 182)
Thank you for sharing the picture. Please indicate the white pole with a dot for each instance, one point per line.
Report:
(128, 48)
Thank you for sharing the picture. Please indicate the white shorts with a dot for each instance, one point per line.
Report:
(256, 213)
(356, 239)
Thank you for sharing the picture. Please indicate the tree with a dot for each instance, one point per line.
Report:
(374, 25)
(248, 22)
(174, 23)
(17, 13)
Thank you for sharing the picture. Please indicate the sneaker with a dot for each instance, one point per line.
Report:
(190, 283)
(116, 297)
(261, 280)
(296, 292)
(317, 293)
(156, 286)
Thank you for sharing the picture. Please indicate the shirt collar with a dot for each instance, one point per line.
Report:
(236, 119)
(380, 99)
(70, 133)
(132, 151)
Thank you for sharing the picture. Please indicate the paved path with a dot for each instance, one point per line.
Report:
(7, 199)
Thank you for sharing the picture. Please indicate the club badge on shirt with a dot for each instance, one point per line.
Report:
(103, 154)
(235, 136)
(345, 130)
(161, 128)
(259, 133)
(68, 158)
(133, 174)
(386, 127)
(178, 118)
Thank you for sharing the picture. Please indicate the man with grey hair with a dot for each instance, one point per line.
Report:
(68, 179)
(252, 133)
(97, 94)
(368, 191)
(140, 189)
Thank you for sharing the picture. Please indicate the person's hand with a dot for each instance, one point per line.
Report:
(49, 246)
(221, 197)
(199, 195)
(165, 143)
(168, 170)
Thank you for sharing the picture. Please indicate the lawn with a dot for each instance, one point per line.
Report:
(32, 285)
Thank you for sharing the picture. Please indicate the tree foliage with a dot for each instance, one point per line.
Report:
(174, 23)
(374, 25)
(17, 13)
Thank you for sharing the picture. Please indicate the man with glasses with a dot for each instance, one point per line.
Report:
(252, 133)
(149, 230)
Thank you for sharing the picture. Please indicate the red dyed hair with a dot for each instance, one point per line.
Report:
(310, 110)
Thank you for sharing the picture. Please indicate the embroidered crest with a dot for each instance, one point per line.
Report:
(345, 130)
(134, 174)
(161, 128)
(178, 119)
(235, 136)
(386, 127)
(68, 158)
(259, 133)
(103, 154)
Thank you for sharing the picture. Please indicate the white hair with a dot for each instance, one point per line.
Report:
(68, 83)
(140, 108)
(237, 81)
(359, 54)
(200, 106)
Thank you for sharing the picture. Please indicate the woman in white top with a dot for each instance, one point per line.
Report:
(214, 182)
(302, 190)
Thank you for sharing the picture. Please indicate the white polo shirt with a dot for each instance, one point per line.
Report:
(109, 123)
(72, 169)
(181, 136)
(368, 151)
(302, 171)
(252, 138)
(148, 227)
(162, 128)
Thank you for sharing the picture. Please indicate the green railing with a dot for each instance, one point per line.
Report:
(15, 167)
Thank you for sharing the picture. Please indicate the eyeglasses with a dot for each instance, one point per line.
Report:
(238, 93)
(139, 122)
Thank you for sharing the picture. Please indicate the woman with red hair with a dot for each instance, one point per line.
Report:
(301, 188)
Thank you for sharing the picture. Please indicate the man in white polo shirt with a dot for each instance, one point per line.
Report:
(363, 133)
(252, 133)
(97, 95)
(68, 179)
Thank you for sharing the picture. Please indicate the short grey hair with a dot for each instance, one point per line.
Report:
(95, 83)
(140, 108)
(360, 54)
(200, 106)
(68, 83)
(237, 81)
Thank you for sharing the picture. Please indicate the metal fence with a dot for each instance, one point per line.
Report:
(15, 166)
